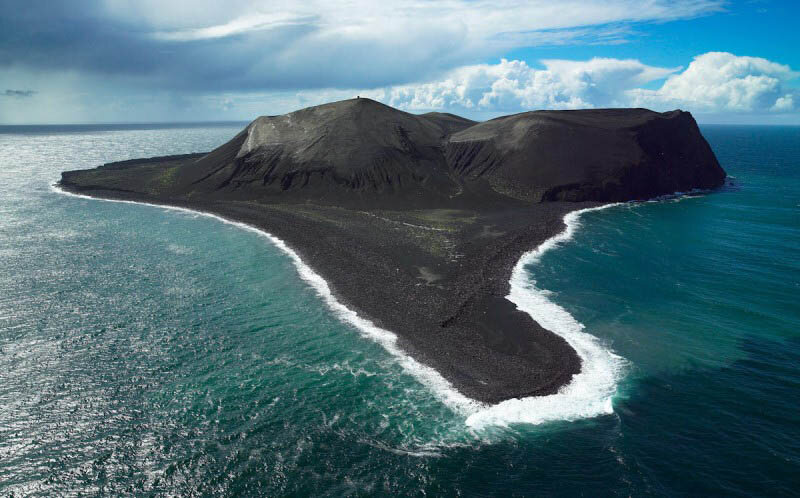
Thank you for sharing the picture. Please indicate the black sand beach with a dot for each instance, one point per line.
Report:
(416, 222)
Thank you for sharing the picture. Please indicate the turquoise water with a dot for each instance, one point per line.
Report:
(145, 350)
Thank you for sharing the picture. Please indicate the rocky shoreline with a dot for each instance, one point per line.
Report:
(416, 222)
(450, 315)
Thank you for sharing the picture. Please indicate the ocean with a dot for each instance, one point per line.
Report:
(145, 350)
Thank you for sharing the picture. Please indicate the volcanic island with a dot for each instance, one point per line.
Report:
(416, 221)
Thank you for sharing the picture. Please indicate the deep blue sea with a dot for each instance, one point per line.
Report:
(151, 351)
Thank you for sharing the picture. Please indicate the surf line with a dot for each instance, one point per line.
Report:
(426, 375)
(589, 392)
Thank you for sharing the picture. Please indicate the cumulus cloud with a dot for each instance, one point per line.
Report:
(257, 45)
(204, 59)
(721, 81)
(713, 82)
(513, 85)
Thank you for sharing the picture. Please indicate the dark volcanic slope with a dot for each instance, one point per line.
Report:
(417, 220)
(362, 153)
(600, 155)
(341, 152)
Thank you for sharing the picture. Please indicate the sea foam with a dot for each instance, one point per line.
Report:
(588, 394)
(429, 377)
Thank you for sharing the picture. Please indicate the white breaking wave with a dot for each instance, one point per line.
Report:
(590, 392)
(587, 395)
(429, 377)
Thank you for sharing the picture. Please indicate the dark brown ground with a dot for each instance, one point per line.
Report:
(437, 278)
(416, 221)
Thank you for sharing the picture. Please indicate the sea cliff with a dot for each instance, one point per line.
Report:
(416, 221)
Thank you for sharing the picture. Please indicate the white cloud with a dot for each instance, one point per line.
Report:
(482, 19)
(513, 85)
(279, 44)
(721, 81)
(236, 26)
(713, 82)
(785, 103)
(275, 45)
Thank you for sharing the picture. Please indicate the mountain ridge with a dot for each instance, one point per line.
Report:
(417, 221)
(365, 146)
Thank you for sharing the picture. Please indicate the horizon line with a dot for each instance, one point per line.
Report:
(240, 121)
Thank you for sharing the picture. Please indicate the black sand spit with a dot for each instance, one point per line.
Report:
(416, 221)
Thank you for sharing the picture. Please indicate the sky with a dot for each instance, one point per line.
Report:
(121, 61)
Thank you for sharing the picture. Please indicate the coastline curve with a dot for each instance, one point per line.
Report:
(426, 375)
(589, 392)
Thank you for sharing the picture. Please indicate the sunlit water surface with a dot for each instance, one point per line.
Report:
(145, 350)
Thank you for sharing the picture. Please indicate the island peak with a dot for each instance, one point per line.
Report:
(416, 221)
